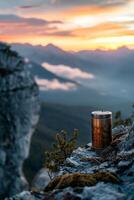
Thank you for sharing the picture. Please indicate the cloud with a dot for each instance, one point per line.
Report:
(90, 14)
(108, 29)
(29, 21)
(28, 6)
(90, 2)
(54, 32)
(13, 25)
(68, 72)
(54, 84)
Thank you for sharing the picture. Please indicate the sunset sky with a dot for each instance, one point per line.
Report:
(69, 24)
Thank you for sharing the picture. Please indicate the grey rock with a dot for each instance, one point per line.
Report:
(119, 129)
(103, 192)
(2, 157)
(124, 163)
(19, 109)
(41, 180)
(128, 143)
(70, 162)
(25, 195)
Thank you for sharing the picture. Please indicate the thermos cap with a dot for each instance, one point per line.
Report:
(101, 114)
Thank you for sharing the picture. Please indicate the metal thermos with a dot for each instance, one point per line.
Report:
(101, 123)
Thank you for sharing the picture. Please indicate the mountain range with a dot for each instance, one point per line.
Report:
(97, 78)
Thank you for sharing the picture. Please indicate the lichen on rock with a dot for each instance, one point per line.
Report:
(19, 107)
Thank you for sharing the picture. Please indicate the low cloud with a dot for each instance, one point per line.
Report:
(54, 84)
(68, 72)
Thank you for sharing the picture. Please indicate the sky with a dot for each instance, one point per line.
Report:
(70, 24)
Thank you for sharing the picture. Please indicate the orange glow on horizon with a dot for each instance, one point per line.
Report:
(102, 44)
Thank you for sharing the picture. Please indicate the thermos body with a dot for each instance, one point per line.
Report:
(101, 124)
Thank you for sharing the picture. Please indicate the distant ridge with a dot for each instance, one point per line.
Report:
(53, 46)
(113, 71)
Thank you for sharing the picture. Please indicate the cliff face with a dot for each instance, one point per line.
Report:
(19, 106)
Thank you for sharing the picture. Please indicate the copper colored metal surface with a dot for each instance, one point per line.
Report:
(101, 123)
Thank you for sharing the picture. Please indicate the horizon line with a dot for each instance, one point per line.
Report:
(67, 50)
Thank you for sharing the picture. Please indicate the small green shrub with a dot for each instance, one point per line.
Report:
(118, 119)
(62, 149)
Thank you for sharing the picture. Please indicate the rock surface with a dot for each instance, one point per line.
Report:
(19, 106)
(41, 180)
(117, 158)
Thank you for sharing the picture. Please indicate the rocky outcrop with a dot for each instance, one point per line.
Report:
(19, 106)
(110, 173)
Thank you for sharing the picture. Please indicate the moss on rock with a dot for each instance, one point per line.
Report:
(81, 180)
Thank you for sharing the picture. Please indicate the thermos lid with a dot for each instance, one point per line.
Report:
(101, 114)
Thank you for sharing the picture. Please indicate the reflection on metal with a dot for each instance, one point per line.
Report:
(101, 122)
